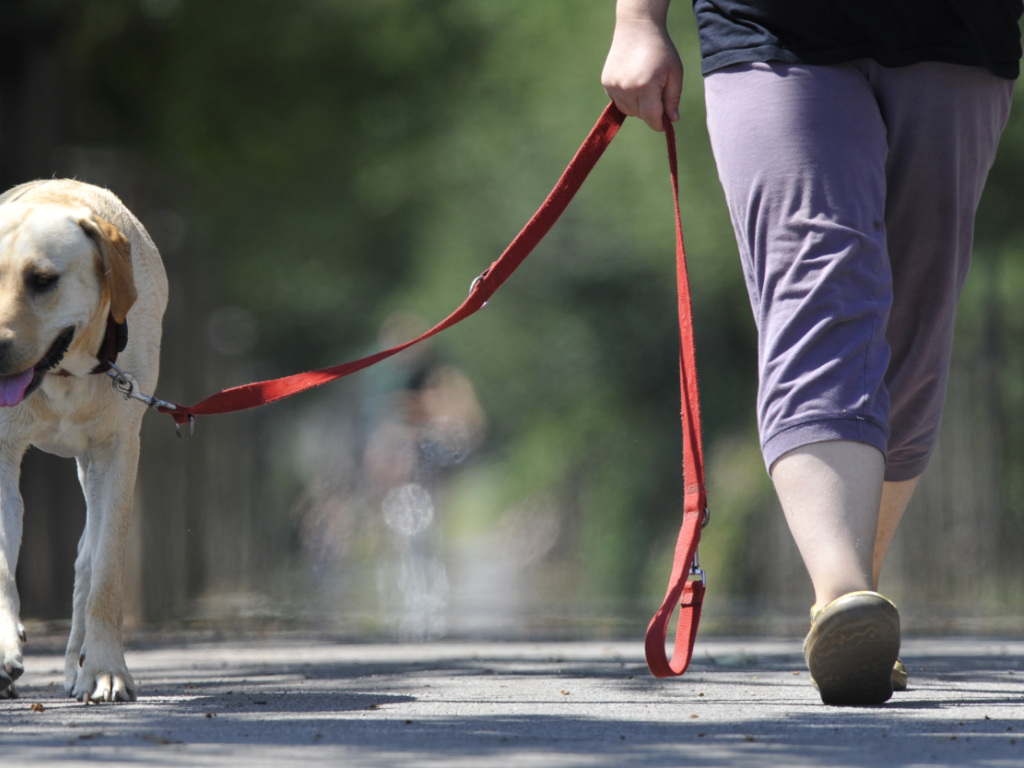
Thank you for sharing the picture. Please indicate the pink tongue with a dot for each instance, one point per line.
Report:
(12, 388)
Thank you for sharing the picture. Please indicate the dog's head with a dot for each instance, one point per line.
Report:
(62, 271)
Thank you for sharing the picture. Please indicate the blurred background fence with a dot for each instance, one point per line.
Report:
(325, 177)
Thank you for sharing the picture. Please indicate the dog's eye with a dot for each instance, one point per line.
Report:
(41, 282)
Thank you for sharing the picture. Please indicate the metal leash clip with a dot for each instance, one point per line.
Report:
(185, 434)
(128, 385)
(696, 572)
(475, 283)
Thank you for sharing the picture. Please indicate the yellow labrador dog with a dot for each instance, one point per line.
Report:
(77, 272)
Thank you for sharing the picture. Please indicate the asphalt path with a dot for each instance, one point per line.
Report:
(287, 700)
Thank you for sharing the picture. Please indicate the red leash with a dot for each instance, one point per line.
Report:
(687, 581)
(264, 392)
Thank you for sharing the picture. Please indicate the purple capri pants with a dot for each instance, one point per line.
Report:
(852, 190)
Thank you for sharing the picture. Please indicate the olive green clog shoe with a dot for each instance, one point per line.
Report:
(852, 648)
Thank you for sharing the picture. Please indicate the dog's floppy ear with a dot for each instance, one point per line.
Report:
(115, 253)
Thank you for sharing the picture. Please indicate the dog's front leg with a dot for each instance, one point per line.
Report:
(83, 575)
(12, 635)
(108, 478)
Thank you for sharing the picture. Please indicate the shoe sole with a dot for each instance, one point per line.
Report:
(851, 649)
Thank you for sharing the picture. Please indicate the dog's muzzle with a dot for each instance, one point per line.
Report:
(14, 389)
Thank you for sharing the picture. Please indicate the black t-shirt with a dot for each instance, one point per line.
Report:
(894, 33)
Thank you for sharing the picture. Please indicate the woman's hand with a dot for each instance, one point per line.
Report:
(643, 74)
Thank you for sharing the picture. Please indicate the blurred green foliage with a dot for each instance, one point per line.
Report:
(336, 161)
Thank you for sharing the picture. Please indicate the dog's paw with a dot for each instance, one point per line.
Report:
(105, 687)
(11, 668)
(102, 682)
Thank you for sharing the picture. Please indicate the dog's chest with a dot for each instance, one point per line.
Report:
(65, 418)
(63, 438)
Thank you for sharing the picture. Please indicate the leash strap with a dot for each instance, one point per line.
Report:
(686, 584)
(264, 392)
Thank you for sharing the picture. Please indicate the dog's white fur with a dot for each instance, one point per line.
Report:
(70, 255)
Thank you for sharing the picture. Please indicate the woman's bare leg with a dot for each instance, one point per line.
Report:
(831, 493)
(895, 498)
